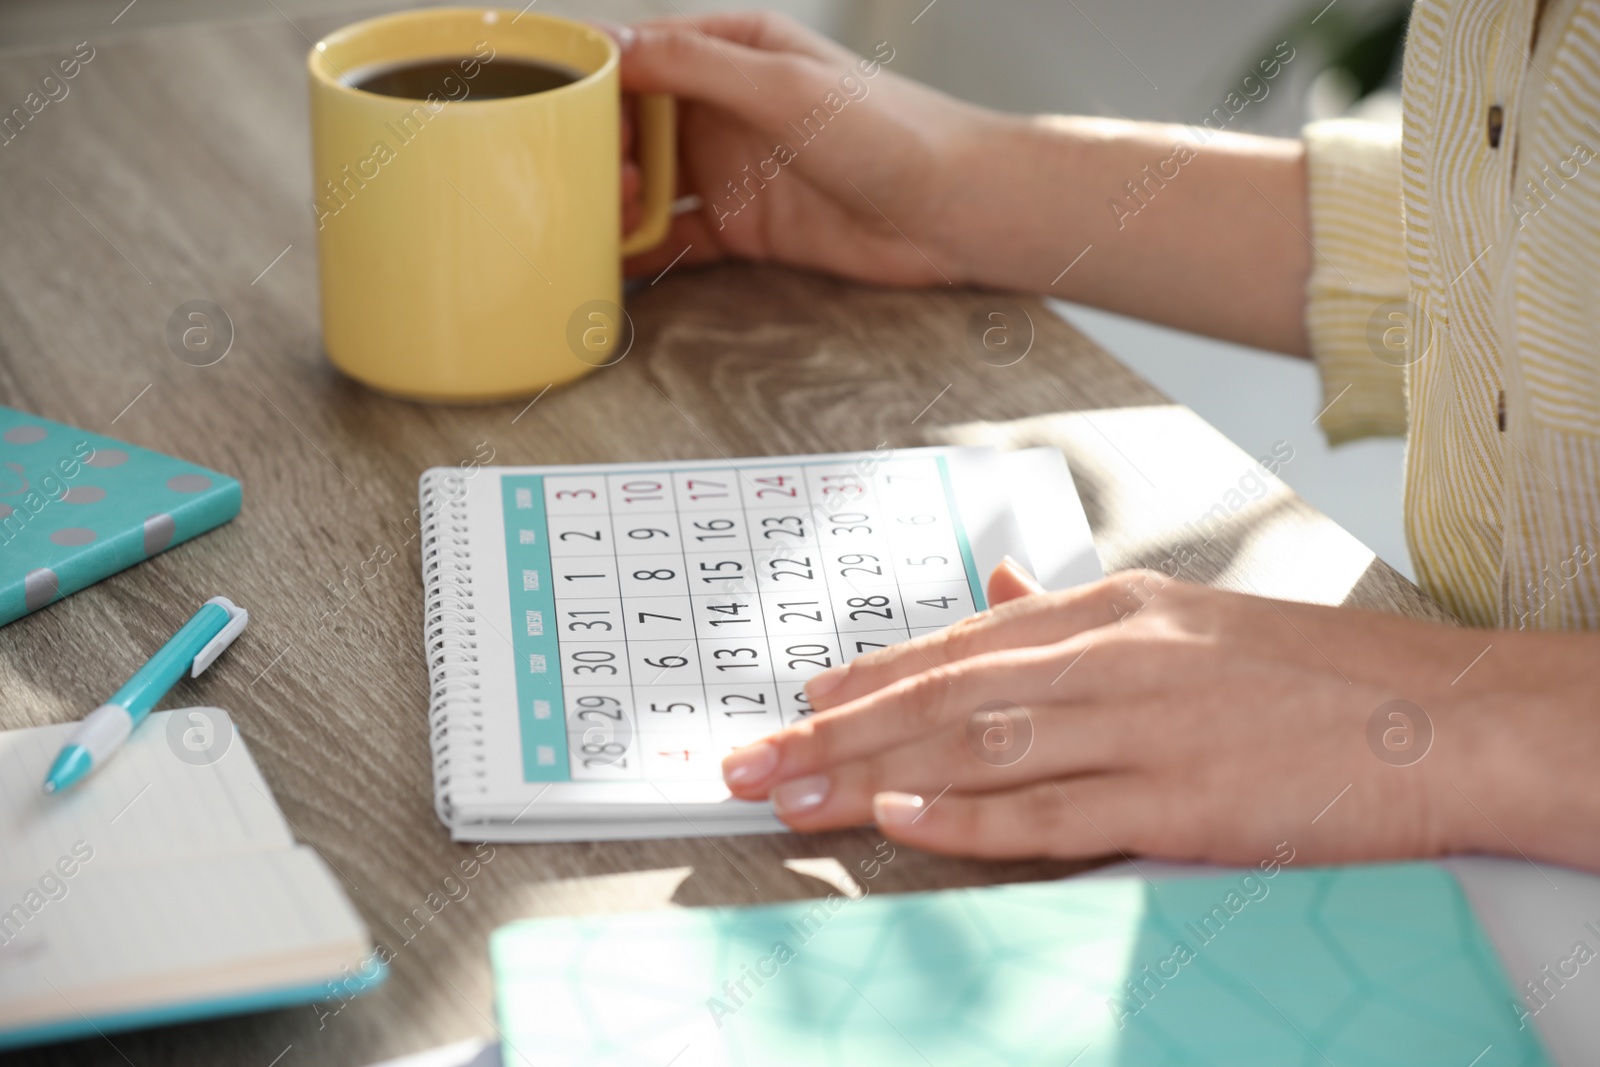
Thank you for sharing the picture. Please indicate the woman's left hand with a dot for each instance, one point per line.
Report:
(1145, 715)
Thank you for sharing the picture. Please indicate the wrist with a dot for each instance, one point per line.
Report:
(1515, 779)
(991, 162)
(1015, 211)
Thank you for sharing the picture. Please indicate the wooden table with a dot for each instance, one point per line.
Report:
(177, 168)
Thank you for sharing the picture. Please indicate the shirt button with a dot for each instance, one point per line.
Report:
(1497, 121)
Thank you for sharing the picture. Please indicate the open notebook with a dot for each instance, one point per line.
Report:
(599, 637)
(159, 891)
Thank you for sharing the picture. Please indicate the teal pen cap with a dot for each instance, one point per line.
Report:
(191, 650)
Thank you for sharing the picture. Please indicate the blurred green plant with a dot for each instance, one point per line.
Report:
(1365, 44)
(1369, 49)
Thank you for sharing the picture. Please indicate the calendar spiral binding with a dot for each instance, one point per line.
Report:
(450, 637)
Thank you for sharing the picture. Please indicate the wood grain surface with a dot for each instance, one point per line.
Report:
(177, 168)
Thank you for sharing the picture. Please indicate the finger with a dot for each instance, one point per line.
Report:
(1026, 621)
(763, 88)
(1010, 581)
(764, 30)
(688, 231)
(843, 796)
(690, 235)
(994, 751)
(623, 35)
(632, 184)
(1076, 819)
(907, 711)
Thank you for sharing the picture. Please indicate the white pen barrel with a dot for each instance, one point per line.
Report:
(103, 730)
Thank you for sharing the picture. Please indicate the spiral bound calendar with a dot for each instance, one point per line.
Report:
(600, 637)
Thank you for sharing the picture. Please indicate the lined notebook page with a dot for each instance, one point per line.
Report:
(171, 933)
(145, 806)
(155, 882)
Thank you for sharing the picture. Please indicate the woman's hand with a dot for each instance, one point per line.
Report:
(1145, 715)
(806, 154)
(800, 151)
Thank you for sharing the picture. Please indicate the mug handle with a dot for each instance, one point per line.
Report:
(658, 156)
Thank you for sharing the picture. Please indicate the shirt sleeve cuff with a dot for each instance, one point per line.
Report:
(1355, 298)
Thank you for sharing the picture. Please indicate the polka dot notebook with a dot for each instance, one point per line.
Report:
(76, 507)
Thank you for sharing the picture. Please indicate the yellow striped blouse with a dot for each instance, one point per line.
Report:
(1455, 297)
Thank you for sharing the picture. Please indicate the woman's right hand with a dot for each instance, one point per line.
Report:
(802, 152)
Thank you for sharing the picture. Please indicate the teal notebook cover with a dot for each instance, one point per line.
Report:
(196, 1011)
(76, 507)
(1376, 966)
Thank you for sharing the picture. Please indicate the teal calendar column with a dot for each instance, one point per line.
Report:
(540, 708)
(974, 579)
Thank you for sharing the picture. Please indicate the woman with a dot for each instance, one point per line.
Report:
(1171, 719)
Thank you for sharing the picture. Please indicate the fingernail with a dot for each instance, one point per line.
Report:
(826, 682)
(896, 809)
(1022, 572)
(625, 36)
(750, 764)
(802, 794)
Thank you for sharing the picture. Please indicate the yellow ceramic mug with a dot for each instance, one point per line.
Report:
(470, 249)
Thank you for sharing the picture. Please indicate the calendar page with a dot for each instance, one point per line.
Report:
(643, 620)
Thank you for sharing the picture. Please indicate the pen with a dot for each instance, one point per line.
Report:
(193, 648)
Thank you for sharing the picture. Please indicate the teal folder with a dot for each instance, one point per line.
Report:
(76, 507)
(291, 996)
(1376, 966)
